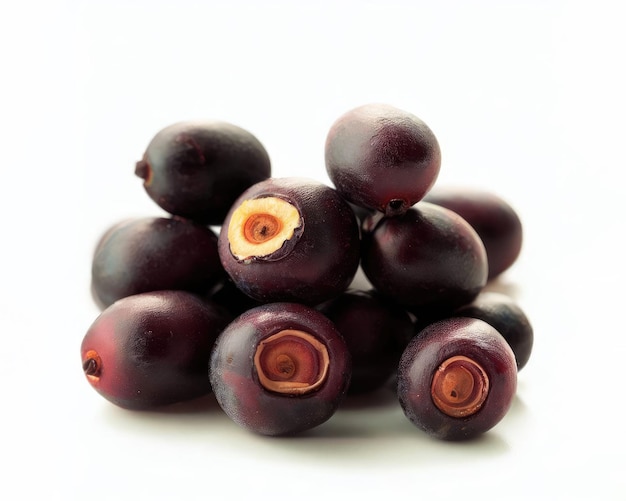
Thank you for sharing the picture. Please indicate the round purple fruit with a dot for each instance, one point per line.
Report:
(280, 369)
(508, 318)
(152, 349)
(457, 379)
(197, 169)
(290, 239)
(495, 221)
(376, 332)
(154, 253)
(383, 158)
(430, 260)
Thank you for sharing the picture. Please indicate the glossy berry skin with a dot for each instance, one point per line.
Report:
(495, 221)
(476, 344)
(382, 158)
(508, 318)
(197, 169)
(152, 349)
(152, 253)
(429, 259)
(316, 261)
(376, 332)
(303, 402)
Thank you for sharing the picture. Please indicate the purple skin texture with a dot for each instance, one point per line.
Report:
(383, 158)
(376, 332)
(317, 263)
(152, 349)
(506, 316)
(428, 260)
(154, 253)
(495, 221)
(235, 380)
(423, 356)
(196, 170)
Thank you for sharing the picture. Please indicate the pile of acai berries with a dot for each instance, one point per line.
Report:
(283, 296)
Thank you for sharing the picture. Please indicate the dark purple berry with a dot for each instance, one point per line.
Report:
(197, 169)
(290, 239)
(280, 369)
(429, 259)
(495, 221)
(457, 378)
(152, 253)
(376, 332)
(382, 158)
(508, 318)
(152, 349)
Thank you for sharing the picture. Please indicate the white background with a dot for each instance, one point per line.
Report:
(526, 99)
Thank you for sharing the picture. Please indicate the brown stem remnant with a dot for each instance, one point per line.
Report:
(144, 171)
(92, 365)
(396, 207)
(459, 386)
(291, 362)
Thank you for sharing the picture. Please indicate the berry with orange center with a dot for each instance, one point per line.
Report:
(290, 239)
(457, 378)
(280, 369)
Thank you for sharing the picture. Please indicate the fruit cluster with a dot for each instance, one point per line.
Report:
(247, 288)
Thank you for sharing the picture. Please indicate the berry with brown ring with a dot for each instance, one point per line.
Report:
(457, 378)
(280, 369)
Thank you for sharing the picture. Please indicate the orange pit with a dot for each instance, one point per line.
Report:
(291, 362)
(259, 227)
(459, 386)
